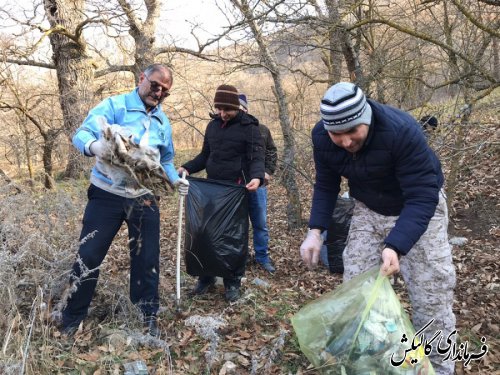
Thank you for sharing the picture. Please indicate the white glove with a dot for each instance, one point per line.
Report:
(98, 148)
(182, 186)
(310, 248)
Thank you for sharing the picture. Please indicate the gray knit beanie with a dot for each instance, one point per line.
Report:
(344, 106)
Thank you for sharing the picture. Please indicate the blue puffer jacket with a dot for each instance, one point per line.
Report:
(394, 174)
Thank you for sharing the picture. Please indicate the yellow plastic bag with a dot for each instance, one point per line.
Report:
(357, 329)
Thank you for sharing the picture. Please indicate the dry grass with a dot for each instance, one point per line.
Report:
(39, 232)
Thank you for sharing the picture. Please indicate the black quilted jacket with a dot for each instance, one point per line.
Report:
(232, 151)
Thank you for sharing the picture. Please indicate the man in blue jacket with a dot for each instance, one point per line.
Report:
(139, 114)
(400, 217)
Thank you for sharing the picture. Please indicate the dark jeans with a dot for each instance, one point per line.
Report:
(257, 208)
(104, 215)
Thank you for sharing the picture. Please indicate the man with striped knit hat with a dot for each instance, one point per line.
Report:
(400, 217)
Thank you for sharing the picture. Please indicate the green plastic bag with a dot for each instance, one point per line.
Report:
(357, 328)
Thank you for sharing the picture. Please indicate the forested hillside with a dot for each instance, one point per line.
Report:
(60, 58)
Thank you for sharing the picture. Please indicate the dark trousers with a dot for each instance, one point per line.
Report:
(103, 217)
(257, 209)
(228, 281)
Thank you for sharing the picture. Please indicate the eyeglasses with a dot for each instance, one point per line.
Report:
(155, 86)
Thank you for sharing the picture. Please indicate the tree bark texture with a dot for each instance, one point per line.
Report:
(74, 68)
(294, 212)
(143, 34)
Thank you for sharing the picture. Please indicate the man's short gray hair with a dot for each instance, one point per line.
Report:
(159, 68)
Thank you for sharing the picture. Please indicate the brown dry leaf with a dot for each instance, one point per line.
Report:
(244, 334)
(243, 361)
(271, 311)
(243, 344)
(242, 352)
(228, 368)
(134, 356)
(90, 357)
(476, 328)
(185, 338)
(147, 354)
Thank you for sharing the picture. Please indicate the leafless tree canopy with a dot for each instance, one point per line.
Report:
(59, 58)
(428, 57)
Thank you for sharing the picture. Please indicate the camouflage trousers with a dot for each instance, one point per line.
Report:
(427, 269)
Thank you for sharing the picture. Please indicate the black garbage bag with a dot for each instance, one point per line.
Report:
(216, 239)
(336, 238)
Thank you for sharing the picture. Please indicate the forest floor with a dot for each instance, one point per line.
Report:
(208, 335)
(39, 232)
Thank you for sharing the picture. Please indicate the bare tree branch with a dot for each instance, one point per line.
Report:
(30, 63)
(490, 30)
(114, 69)
(427, 38)
(174, 49)
(491, 2)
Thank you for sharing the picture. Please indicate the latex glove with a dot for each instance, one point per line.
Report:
(253, 185)
(182, 186)
(98, 148)
(390, 262)
(310, 248)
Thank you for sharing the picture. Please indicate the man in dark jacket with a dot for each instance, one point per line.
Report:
(429, 124)
(257, 201)
(400, 217)
(232, 151)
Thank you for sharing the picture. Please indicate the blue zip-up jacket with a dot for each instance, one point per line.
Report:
(394, 174)
(129, 111)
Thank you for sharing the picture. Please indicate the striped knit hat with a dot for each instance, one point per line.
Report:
(226, 96)
(243, 102)
(344, 106)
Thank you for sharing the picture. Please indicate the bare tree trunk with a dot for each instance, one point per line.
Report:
(452, 57)
(341, 46)
(353, 54)
(288, 179)
(49, 144)
(496, 59)
(143, 34)
(334, 35)
(294, 212)
(73, 66)
(352, 60)
(27, 149)
(456, 162)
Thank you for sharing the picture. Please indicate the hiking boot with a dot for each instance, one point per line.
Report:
(151, 324)
(232, 293)
(268, 266)
(69, 327)
(68, 331)
(203, 285)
